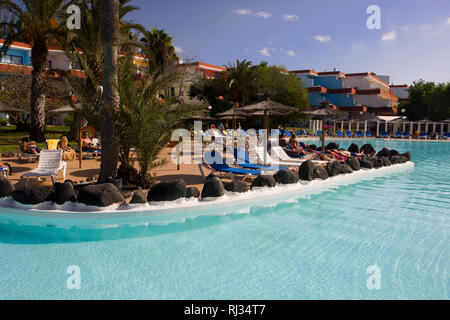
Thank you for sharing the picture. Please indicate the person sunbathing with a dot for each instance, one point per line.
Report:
(294, 146)
(29, 146)
(68, 152)
(87, 143)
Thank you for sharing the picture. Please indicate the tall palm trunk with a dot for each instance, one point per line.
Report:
(110, 37)
(39, 60)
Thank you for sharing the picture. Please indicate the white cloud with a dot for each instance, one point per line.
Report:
(448, 20)
(243, 12)
(290, 17)
(247, 50)
(358, 45)
(390, 36)
(179, 50)
(265, 52)
(290, 53)
(263, 14)
(322, 38)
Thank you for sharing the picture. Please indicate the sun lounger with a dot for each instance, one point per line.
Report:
(283, 156)
(221, 167)
(423, 135)
(384, 134)
(50, 163)
(446, 135)
(349, 134)
(243, 160)
(359, 134)
(319, 133)
(406, 135)
(339, 133)
(368, 134)
(277, 162)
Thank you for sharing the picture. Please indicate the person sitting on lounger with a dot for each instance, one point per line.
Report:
(87, 143)
(293, 144)
(68, 152)
(29, 146)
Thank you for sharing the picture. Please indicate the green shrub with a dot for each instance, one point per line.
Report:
(68, 121)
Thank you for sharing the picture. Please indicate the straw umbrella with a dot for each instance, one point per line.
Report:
(233, 114)
(6, 108)
(267, 108)
(325, 111)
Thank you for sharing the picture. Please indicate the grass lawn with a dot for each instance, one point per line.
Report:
(10, 138)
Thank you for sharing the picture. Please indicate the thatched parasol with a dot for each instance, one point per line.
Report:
(266, 108)
(325, 111)
(6, 108)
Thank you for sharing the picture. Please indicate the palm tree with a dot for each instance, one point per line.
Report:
(147, 122)
(35, 22)
(110, 38)
(158, 47)
(84, 49)
(239, 76)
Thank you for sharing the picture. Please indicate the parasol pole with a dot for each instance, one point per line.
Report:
(266, 125)
(323, 134)
(80, 144)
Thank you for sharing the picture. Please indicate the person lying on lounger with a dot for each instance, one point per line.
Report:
(29, 146)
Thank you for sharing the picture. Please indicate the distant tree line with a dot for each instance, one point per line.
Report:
(427, 100)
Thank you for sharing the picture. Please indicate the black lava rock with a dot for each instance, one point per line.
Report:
(167, 191)
(320, 173)
(139, 197)
(286, 177)
(365, 163)
(34, 195)
(386, 161)
(6, 187)
(237, 186)
(213, 188)
(368, 149)
(192, 192)
(100, 195)
(332, 146)
(378, 163)
(398, 159)
(313, 147)
(407, 155)
(385, 152)
(353, 148)
(333, 168)
(211, 175)
(345, 168)
(393, 153)
(264, 181)
(117, 181)
(353, 162)
(306, 171)
(64, 192)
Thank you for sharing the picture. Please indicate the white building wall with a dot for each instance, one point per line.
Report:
(402, 92)
(59, 60)
(360, 83)
(373, 101)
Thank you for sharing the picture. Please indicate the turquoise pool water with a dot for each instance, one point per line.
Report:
(317, 246)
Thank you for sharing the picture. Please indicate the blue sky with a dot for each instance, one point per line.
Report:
(413, 42)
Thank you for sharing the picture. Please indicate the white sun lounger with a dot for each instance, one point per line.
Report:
(283, 156)
(50, 162)
(270, 161)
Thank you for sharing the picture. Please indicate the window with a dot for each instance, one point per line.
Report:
(181, 93)
(49, 64)
(172, 91)
(10, 59)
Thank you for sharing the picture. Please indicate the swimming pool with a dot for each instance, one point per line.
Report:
(316, 246)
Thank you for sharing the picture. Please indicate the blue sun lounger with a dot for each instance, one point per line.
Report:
(349, 134)
(384, 134)
(399, 135)
(339, 133)
(406, 135)
(368, 134)
(222, 167)
(359, 134)
(243, 159)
